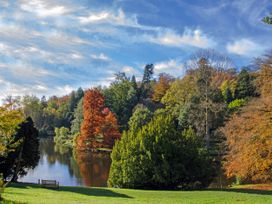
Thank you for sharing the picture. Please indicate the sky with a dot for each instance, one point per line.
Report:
(51, 47)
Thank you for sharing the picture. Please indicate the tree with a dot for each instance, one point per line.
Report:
(179, 93)
(26, 154)
(159, 156)
(110, 128)
(206, 106)
(141, 116)
(121, 97)
(268, 19)
(33, 107)
(249, 142)
(161, 86)
(63, 137)
(9, 121)
(78, 118)
(99, 127)
(145, 89)
(244, 86)
(263, 80)
(93, 105)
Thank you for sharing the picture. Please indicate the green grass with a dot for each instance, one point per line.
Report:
(26, 193)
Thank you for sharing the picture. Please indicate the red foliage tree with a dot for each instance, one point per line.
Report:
(110, 128)
(99, 127)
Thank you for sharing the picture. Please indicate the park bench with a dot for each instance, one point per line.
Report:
(48, 183)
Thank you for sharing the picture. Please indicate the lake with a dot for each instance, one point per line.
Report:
(70, 169)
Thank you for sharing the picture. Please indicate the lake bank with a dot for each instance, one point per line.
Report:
(30, 193)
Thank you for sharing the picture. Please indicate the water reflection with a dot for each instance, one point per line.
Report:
(72, 169)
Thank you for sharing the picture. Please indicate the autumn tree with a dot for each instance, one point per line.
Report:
(93, 118)
(99, 126)
(161, 86)
(263, 81)
(249, 142)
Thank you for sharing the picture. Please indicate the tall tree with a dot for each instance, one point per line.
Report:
(93, 105)
(146, 89)
(99, 127)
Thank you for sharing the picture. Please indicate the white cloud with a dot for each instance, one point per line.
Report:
(131, 71)
(110, 17)
(194, 38)
(245, 47)
(101, 57)
(172, 66)
(25, 71)
(44, 8)
(76, 56)
(63, 90)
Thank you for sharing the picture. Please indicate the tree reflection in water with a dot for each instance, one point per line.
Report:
(60, 163)
(94, 167)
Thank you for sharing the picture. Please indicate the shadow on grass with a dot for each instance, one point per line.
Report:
(244, 190)
(103, 192)
(10, 202)
(90, 191)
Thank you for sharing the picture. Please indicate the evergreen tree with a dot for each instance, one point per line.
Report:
(26, 156)
(145, 89)
(245, 86)
(141, 116)
(159, 156)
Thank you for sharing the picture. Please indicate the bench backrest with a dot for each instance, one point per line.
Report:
(49, 182)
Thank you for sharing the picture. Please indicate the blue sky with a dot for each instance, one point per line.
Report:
(54, 46)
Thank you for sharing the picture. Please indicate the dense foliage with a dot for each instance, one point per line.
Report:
(160, 156)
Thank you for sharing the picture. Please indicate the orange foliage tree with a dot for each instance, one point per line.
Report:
(99, 127)
(249, 139)
(161, 86)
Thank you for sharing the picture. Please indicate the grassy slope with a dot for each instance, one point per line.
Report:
(22, 193)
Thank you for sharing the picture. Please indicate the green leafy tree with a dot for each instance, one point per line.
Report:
(159, 156)
(78, 118)
(121, 98)
(63, 137)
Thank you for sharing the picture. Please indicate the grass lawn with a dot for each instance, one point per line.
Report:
(26, 193)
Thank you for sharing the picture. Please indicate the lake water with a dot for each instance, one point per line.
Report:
(70, 169)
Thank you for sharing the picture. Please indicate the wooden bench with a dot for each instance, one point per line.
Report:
(48, 183)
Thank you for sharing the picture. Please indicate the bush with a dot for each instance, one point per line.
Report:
(158, 156)
(237, 103)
